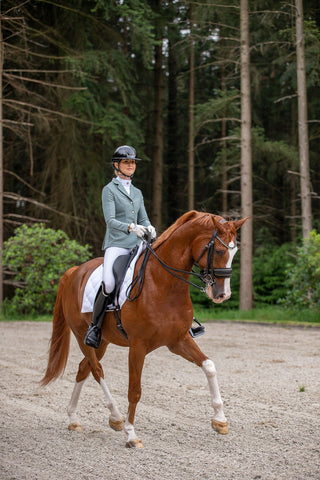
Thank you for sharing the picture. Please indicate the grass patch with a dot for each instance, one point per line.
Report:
(25, 318)
(270, 314)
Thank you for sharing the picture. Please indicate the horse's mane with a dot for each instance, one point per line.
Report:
(192, 216)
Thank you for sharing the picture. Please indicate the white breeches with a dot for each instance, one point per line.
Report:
(110, 255)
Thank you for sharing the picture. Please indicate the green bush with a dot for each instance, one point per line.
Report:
(269, 278)
(303, 278)
(270, 265)
(35, 258)
(288, 275)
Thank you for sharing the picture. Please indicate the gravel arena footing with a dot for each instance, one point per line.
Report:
(269, 379)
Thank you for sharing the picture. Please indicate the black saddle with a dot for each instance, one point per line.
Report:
(120, 267)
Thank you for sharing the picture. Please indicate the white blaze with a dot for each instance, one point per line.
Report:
(232, 251)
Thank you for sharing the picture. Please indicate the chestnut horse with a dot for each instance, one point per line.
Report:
(160, 316)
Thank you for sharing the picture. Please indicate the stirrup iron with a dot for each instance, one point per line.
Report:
(197, 331)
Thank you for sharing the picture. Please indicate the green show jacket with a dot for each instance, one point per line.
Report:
(120, 209)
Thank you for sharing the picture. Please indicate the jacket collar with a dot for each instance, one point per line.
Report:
(117, 182)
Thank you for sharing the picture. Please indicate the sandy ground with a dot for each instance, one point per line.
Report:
(269, 379)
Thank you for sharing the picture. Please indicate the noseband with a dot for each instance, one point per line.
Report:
(208, 274)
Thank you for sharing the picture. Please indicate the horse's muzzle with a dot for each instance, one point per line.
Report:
(220, 298)
(217, 294)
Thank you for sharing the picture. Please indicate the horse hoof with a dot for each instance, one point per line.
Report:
(116, 425)
(220, 427)
(76, 427)
(134, 444)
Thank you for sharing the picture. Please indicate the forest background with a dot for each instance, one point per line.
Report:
(80, 78)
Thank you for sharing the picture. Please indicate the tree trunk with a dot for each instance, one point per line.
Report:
(293, 180)
(191, 121)
(246, 288)
(224, 176)
(303, 125)
(172, 131)
(158, 141)
(1, 163)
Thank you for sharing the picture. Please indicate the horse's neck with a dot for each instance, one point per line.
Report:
(176, 251)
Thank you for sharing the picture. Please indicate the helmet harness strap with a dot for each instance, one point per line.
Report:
(120, 171)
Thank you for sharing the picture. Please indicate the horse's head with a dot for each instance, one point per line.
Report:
(216, 255)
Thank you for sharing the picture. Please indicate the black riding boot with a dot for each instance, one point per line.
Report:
(93, 336)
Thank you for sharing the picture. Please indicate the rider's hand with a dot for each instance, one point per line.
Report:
(139, 230)
(152, 231)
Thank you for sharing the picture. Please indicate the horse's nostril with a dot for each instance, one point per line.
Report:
(220, 296)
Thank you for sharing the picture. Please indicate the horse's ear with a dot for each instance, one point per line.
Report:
(218, 225)
(237, 224)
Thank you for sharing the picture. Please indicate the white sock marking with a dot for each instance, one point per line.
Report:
(210, 371)
(72, 407)
(114, 412)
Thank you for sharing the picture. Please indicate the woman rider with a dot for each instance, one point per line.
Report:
(127, 222)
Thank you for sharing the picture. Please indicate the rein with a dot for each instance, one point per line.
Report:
(139, 279)
(207, 275)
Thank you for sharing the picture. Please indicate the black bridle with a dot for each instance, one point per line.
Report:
(207, 275)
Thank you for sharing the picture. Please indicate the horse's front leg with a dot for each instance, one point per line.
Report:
(189, 350)
(137, 355)
(219, 421)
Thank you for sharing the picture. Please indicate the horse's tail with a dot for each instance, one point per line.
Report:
(60, 338)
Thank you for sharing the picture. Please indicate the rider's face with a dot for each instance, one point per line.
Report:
(127, 166)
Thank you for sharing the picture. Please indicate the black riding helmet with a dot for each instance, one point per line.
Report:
(121, 153)
(125, 151)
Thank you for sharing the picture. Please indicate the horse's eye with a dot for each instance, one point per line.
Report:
(220, 252)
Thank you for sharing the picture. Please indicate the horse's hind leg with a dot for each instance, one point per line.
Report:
(189, 350)
(91, 364)
(72, 408)
(83, 372)
(115, 418)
